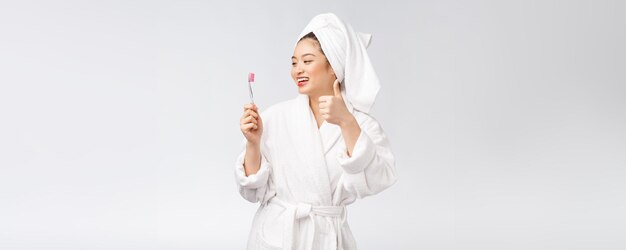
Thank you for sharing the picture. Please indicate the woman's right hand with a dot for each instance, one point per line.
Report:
(251, 124)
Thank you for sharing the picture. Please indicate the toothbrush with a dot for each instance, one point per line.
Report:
(250, 81)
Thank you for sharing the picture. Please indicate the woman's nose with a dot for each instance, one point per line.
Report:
(299, 68)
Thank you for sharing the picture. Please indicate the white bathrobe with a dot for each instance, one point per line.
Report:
(307, 179)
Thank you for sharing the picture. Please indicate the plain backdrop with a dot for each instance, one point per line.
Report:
(119, 121)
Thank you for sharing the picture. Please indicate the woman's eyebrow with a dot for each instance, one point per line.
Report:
(307, 54)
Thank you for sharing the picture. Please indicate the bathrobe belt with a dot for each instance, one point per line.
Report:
(299, 211)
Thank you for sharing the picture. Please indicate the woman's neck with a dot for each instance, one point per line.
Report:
(315, 108)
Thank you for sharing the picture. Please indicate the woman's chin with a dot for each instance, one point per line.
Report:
(303, 90)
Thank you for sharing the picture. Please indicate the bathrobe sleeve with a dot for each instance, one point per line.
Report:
(253, 187)
(371, 167)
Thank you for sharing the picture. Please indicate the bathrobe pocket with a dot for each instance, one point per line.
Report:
(272, 227)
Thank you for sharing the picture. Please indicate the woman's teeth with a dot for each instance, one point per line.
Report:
(302, 81)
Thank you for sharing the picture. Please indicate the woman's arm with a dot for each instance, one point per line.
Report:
(334, 110)
(371, 166)
(251, 126)
(350, 130)
(252, 168)
(252, 187)
(252, 160)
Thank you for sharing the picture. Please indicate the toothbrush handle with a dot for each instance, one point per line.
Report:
(251, 95)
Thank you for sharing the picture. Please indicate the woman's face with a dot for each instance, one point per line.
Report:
(310, 70)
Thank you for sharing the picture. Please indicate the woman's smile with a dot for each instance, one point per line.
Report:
(301, 81)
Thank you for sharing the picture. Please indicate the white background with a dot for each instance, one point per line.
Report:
(119, 121)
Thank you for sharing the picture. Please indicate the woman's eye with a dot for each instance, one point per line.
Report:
(307, 62)
(293, 64)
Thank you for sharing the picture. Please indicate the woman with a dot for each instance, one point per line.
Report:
(307, 158)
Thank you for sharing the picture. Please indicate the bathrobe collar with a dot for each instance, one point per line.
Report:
(312, 144)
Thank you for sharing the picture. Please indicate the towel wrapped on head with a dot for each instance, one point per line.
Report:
(346, 51)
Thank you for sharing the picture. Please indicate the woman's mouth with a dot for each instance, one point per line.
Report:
(302, 81)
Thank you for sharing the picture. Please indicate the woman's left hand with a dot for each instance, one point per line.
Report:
(333, 109)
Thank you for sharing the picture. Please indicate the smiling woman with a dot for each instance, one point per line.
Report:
(309, 65)
(306, 159)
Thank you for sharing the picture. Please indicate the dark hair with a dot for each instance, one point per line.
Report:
(312, 36)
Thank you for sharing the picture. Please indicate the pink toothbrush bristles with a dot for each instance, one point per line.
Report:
(250, 77)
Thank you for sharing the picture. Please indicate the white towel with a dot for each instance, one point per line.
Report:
(346, 51)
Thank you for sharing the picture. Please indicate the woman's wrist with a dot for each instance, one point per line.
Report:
(350, 130)
(349, 122)
(253, 146)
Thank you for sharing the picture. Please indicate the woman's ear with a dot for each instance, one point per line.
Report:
(332, 71)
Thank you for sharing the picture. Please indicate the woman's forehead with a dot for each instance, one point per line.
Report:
(306, 47)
